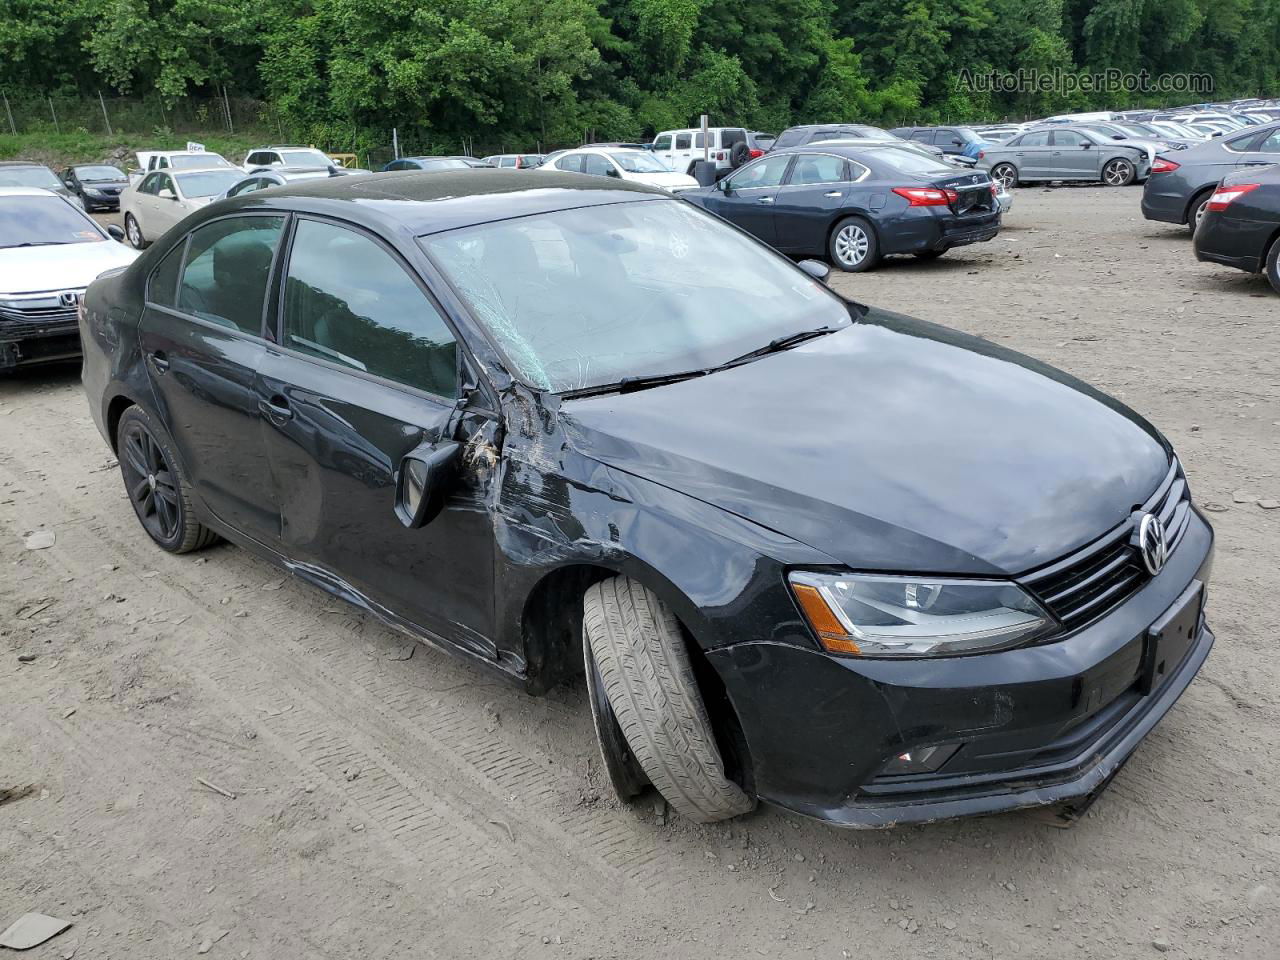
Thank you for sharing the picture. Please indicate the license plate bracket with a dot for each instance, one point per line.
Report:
(1170, 637)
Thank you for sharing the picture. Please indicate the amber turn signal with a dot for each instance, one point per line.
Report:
(831, 632)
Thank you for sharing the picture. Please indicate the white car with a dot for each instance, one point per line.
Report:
(49, 253)
(680, 149)
(150, 161)
(638, 166)
(163, 198)
(285, 157)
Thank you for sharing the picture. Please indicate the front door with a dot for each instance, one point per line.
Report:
(202, 340)
(747, 197)
(806, 204)
(366, 370)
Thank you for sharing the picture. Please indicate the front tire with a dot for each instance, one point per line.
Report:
(852, 246)
(1273, 265)
(637, 645)
(134, 232)
(156, 485)
(1119, 173)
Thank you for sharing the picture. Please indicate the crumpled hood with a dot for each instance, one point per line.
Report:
(895, 444)
(68, 266)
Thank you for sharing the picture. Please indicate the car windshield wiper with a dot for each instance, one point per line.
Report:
(781, 343)
(632, 384)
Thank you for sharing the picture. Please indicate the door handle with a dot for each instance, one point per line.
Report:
(277, 409)
(833, 194)
(159, 361)
(765, 200)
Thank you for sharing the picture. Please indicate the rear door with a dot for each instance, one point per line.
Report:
(1261, 151)
(366, 369)
(814, 191)
(1032, 156)
(747, 197)
(202, 340)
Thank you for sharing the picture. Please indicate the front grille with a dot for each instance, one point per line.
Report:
(1088, 583)
(41, 308)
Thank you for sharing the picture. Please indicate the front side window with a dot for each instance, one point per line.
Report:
(571, 162)
(663, 142)
(1069, 138)
(42, 220)
(348, 301)
(304, 158)
(227, 270)
(507, 162)
(1270, 143)
(766, 172)
(817, 168)
(638, 161)
(151, 185)
(597, 165)
(922, 136)
(584, 297)
(162, 287)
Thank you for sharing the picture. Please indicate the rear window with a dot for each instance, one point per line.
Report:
(197, 161)
(210, 183)
(788, 138)
(41, 177)
(907, 161)
(729, 137)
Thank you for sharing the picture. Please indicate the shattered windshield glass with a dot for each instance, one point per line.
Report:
(580, 298)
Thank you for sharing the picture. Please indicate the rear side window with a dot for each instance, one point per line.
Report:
(817, 168)
(228, 267)
(922, 136)
(1035, 139)
(683, 141)
(788, 138)
(162, 287)
(348, 301)
(663, 142)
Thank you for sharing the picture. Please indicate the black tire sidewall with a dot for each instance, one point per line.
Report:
(136, 415)
(142, 241)
(739, 154)
(1272, 266)
(873, 249)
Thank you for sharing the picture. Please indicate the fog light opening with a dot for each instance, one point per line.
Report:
(920, 760)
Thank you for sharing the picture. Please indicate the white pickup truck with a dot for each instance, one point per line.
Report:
(151, 160)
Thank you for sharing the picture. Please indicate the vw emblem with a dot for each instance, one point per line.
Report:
(1152, 544)
(69, 299)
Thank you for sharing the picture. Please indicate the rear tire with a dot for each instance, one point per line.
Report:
(1273, 265)
(134, 232)
(1198, 207)
(639, 649)
(156, 485)
(852, 245)
(1006, 173)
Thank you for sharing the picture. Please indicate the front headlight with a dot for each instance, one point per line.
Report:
(885, 616)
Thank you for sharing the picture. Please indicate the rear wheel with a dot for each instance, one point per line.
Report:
(1118, 172)
(1273, 265)
(134, 232)
(1005, 174)
(156, 487)
(1198, 207)
(853, 245)
(636, 643)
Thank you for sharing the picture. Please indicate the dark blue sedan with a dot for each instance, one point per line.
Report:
(855, 204)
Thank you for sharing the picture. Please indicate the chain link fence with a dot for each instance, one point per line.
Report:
(24, 113)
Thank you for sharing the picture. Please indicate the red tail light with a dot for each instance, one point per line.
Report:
(720, 155)
(926, 196)
(1226, 195)
(756, 153)
(981, 154)
(1162, 165)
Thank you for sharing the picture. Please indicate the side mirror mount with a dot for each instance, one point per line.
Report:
(426, 475)
(1086, 145)
(613, 172)
(725, 187)
(115, 232)
(165, 193)
(816, 269)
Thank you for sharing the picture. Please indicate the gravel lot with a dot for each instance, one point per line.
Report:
(393, 807)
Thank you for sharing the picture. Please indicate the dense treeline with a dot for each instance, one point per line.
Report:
(522, 71)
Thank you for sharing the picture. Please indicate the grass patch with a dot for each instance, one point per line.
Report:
(60, 150)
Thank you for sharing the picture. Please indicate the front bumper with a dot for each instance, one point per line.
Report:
(36, 345)
(1040, 725)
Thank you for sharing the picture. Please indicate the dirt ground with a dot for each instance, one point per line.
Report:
(391, 807)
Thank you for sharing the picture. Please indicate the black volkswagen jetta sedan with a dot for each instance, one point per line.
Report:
(807, 551)
(855, 204)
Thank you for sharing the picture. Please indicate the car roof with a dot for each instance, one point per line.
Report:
(420, 203)
(22, 163)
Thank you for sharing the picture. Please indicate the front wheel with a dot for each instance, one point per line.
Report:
(1119, 173)
(635, 643)
(156, 487)
(1005, 174)
(1273, 265)
(853, 247)
(1199, 206)
(134, 232)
